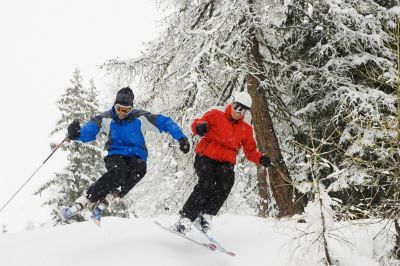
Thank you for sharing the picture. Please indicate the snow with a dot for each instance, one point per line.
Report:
(120, 241)
(395, 10)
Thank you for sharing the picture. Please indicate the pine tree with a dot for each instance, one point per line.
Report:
(339, 78)
(85, 164)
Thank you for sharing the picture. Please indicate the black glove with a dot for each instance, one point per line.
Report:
(201, 129)
(184, 145)
(265, 161)
(74, 130)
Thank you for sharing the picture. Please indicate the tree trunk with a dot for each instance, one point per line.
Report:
(282, 189)
(397, 169)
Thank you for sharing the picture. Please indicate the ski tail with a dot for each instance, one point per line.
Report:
(218, 246)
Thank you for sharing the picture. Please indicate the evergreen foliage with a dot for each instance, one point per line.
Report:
(340, 74)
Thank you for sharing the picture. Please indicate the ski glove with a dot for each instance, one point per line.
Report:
(265, 161)
(74, 130)
(201, 129)
(184, 145)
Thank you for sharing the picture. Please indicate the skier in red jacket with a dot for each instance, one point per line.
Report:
(223, 134)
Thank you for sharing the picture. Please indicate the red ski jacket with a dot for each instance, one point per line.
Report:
(225, 137)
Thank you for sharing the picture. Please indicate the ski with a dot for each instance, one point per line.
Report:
(96, 222)
(218, 246)
(209, 246)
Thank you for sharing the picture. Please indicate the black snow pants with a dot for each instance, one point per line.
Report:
(214, 185)
(123, 173)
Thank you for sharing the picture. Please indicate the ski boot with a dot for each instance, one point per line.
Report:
(183, 226)
(203, 222)
(66, 213)
(98, 212)
(103, 204)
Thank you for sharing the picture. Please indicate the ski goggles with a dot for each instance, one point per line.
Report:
(123, 109)
(240, 108)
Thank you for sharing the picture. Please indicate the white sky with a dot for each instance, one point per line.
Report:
(41, 44)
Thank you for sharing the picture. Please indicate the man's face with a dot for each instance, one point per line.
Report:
(236, 115)
(122, 111)
(238, 111)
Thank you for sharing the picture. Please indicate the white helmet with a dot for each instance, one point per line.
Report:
(243, 98)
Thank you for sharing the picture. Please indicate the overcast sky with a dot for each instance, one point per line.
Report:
(41, 44)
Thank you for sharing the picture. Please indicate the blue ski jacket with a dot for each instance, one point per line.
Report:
(126, 137)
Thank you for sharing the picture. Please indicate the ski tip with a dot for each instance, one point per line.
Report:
(96, 222)
(157, 223)
(162, 226)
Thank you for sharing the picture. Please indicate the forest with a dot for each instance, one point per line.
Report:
(324, 77)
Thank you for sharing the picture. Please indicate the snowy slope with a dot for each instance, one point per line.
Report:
(140, 242)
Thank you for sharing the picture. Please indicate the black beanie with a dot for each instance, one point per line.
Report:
(125, 97)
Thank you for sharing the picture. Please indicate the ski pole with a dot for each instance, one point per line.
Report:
(10, 199)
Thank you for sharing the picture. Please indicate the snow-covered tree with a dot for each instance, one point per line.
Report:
(84, 160)
(326, 54)
(320, 73)
(207, 51)
(394, 202)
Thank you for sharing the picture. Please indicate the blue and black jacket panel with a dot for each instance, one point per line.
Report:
(126, 137)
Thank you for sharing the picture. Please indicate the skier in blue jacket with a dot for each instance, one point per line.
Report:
(122, 129)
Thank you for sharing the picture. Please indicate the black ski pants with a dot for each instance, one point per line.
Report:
(123, 173)
(214, 185)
